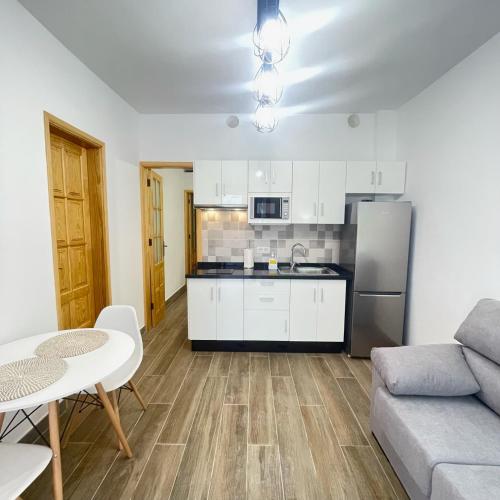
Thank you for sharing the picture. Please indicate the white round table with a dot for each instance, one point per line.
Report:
(82, 372)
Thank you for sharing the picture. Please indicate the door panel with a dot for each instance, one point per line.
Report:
(303, 310)
(281, 177)
(331, 192)
(72, 233)
(156, 238)
(266, 325)
(361, 177)
(391, 177)
(331, 310)
(258, 176)
(235, 182)
(377, 321)
(202, 309)
(207, 182)
(305, 192)
(229, 309)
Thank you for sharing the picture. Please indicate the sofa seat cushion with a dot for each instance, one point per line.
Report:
(426, 431)
(465, 482)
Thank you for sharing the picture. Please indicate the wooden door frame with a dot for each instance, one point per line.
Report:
(144, 167)
(95, 156)
(187, 263)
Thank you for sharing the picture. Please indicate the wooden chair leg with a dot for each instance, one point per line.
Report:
(137, 394)
(57, 484)
(115, 422)
(70, 424)
(114, 402)
(2, 416)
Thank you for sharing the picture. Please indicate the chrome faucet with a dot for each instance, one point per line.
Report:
(292, 261)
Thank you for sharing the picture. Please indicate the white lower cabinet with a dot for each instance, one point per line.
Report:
(317, 309)
(229, 309)
(266, 324)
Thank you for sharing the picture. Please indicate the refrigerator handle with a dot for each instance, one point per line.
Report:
(380, 294)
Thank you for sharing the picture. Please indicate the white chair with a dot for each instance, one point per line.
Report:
(123, 319)
(20, 465)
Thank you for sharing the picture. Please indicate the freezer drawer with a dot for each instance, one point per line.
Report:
(377, 321)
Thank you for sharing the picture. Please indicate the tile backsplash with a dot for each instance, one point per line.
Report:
(226, 233)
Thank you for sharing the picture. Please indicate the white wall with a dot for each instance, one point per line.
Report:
(186, 137)
(174, 184)
(450, 135)
(39, 74)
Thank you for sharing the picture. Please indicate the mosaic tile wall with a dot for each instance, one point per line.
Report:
(226, 233)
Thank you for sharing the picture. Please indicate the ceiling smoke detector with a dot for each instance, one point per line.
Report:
(353, 120)
(232, 121)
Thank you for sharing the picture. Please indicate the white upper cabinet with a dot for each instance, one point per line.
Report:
(207, 182)
(305, 192)
(391, 177)
(234, 182)
(269, 176)
(331, 200)
(281, 177)
(361, 177)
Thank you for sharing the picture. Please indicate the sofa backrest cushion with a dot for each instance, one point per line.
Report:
(487, 374)
(481, 329)
(425, 370)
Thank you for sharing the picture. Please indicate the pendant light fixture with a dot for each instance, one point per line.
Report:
(271, 40)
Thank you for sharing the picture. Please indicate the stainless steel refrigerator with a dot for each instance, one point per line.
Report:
(374, 246)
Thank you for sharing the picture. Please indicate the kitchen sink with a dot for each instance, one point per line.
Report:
(309, 270)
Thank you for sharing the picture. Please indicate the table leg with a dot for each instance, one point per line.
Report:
(114, 401)
(2, 416)
(115, 422)
(57, 485)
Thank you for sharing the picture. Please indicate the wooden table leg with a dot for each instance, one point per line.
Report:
(2, 416)
(115, 422)
(57, 485)
(114, 401)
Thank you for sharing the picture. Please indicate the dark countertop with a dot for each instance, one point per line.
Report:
(234, 270)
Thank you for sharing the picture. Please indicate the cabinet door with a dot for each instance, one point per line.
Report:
(305, 192)
(202, 309)
(361, 177)
(234, 183)
(207, 182)
(303, 310)
(258, 176)
(331, 192)
(331, 310)
(266, 325)
(281, 177)
(230, 309)
(391, 177)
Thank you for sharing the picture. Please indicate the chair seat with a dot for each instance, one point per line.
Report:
(20, 465)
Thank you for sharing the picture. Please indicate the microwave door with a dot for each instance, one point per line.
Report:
(267, 208)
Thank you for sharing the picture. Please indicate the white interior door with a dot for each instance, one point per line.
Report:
(303, 310)
(391, 177)
(207, 182)
(202, 309)
(331, 310)
(281, 177)
(332, 178)
(259, 176)
(305, 192)
(229, 309)
(361, 177)
(235, 182)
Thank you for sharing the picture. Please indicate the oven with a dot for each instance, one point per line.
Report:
(269, 208)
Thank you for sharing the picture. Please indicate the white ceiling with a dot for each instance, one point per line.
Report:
(195, 56)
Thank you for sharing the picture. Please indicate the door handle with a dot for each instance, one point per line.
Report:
(216, 189)
(267, 283)
(396, 295)
(223, 189)
(266, 299)
(265, 178)
(212, 293)
(322, 295)
(379, 178)
(273, 174)
(373, 177)
(286, 326)
(315, 295)
(218, 294)
(315, 208)
(322, 209)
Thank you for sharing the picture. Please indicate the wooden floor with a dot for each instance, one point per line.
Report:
(231, 426)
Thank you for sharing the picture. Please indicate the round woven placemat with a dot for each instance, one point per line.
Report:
(26, 376)
(71, 344)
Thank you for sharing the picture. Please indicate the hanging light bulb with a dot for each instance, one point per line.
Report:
(267, 85)
(265, 118)
(272, 39)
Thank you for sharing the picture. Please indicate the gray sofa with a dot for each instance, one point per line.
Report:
(435, 410)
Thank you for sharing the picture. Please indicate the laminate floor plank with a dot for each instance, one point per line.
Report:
(220, 364)
(338, 365)
(346, 428)
(123, 477)
(159, 474)
(300, 481)
(193, 478)
(304, 381)
(370, 479)
(264, 473)
(229, 473)
(361, 371)
(279, 364)
(178, 424)
(262, 428)
(238, 383)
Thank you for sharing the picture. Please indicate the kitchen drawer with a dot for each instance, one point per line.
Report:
(267, 294)
(267, 285)
(266, 325)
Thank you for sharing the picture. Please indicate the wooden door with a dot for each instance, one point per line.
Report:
(72, 232)
(190, 232)
(156, 247)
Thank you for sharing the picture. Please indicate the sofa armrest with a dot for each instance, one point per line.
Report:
(427, 370)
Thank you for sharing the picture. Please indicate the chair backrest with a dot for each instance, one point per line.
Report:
(123, 319)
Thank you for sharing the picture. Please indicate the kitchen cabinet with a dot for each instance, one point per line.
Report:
(317, 310)
(218, 182)
(318, 194)
(370, 177)
(266, 325)
(215, 309)
(269, 176)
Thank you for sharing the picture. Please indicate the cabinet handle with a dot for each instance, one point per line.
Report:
(266, 299)
(286, 326)
(379, 178)
(267, 283)
(322, 209)
(223, 189)
(218, 294)
(322, 295)
(315, 295)
(373, 177)
(315, 208)
(265, 178)
(212, 293)
(273, 173)
(216, 189)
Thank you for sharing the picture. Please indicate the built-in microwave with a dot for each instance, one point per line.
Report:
(269, 208)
